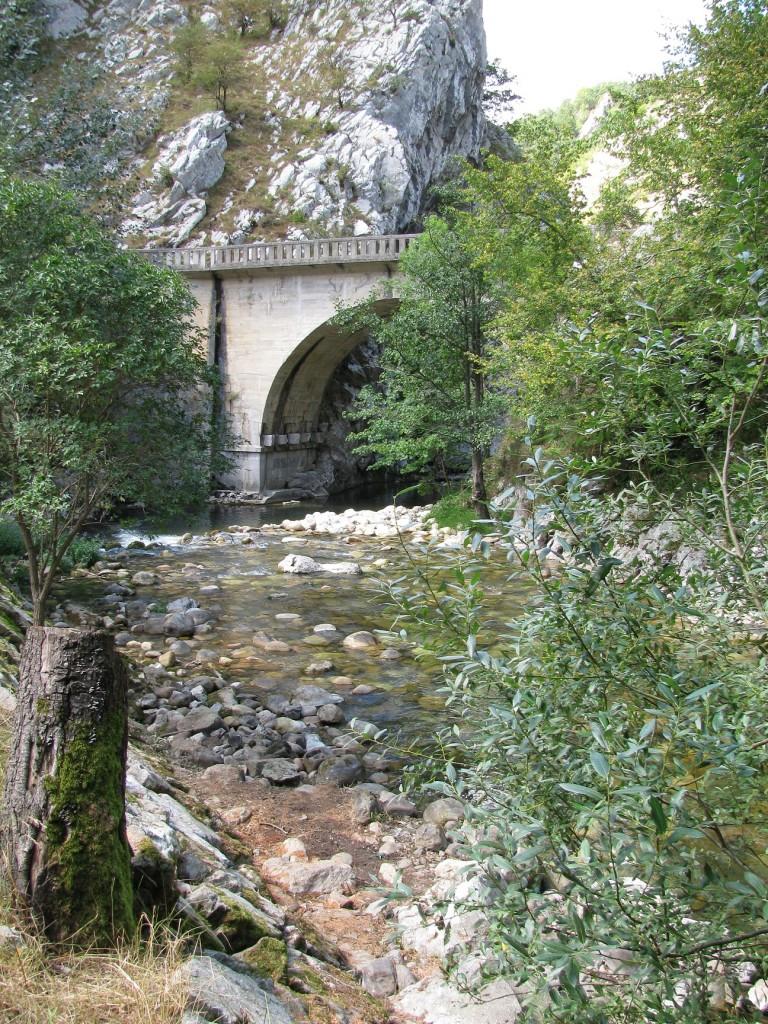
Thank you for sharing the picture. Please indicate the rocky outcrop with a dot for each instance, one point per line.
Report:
(419, 78)
(358, 113)
(190, 163)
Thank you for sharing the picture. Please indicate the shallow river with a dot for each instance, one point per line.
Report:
(255, 597)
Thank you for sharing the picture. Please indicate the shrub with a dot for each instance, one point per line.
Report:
(611, 746)
(11, 544)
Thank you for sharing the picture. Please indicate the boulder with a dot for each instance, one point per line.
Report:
(218, 992)
(300, 565)
(303, 877)
(444, 811)
(195, 156)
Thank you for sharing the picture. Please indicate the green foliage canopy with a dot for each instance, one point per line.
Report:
(101, 383)
(435, 405)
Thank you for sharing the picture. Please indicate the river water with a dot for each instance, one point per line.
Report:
(256, 599)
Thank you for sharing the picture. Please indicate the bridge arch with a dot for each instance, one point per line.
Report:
(292, 429)
(294, 400)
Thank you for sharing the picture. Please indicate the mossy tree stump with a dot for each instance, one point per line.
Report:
(63, 822)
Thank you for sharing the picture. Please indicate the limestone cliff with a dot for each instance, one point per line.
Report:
(338, 120)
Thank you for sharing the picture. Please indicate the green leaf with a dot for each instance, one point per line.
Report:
(600, 764)
(572, 787)
(658, 815)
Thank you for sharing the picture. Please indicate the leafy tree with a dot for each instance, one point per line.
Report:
(436, 404)
(528, 233)
(189, 46)
(100, 379)
(255, 17)
(499, 93)
(220, 68)
(610, 746)
(611, 743)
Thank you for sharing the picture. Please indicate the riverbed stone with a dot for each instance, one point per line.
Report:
(444, 811)
(340, 771)
(280, 771)
(299, 565)
(224, 775)
(396, 804)
(378, 977)
(363, 807)
(319, 668)
(200, 720)
(286, 725)
(429, 837)
(145, 579)
(330, 714)
(316, 696)
(362, 640)
(342, 568)
(179, 624)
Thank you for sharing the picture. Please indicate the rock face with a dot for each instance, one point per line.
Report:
(362, 110)
(229, 996)
(424, 110)
(191, 162)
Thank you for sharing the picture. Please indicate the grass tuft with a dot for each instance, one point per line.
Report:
(132, 985)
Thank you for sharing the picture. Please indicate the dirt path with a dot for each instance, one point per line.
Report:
(322, 818)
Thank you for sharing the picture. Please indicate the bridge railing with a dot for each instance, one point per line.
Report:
(365, 248)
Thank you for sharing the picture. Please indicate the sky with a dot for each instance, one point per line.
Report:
(555, 47)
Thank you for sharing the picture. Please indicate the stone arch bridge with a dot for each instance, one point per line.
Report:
(267, 310)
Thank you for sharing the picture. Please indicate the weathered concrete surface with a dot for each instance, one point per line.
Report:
(277, 350)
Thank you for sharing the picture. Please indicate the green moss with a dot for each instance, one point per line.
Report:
(326, 990)
(239, 929)
(87, 894)
(269, 958)
(154, 877)
(454, 510)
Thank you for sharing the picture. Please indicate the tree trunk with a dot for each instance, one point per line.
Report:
(479, 493)
(63, 821)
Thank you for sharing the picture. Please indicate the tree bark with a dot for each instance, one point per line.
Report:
(479, 493)
(63, 820)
